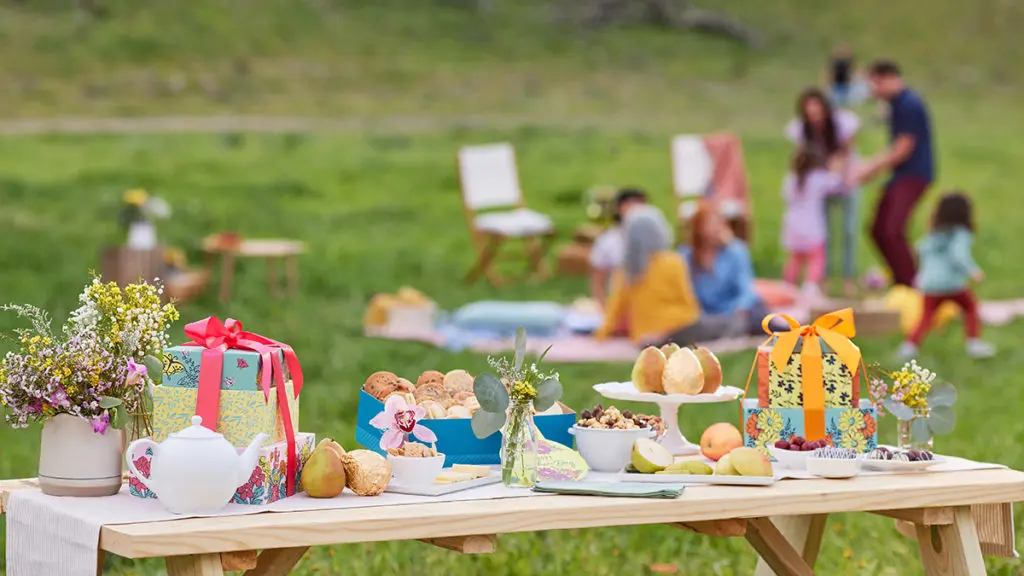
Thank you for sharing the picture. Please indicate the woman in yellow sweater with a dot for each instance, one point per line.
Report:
(652, 298)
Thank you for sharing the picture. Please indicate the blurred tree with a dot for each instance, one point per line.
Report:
(667, 13)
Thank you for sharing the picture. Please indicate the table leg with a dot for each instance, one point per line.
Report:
(272, 282)
(803, 533)
(953, 549)
(227, 272)
(197, 565)
(292, 265)
(277, 561)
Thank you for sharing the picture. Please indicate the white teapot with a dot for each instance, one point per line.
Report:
(196, 470)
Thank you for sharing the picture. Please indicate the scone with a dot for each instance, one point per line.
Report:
(458, 381)
(405, 385)
(380, 385)
(429, 377)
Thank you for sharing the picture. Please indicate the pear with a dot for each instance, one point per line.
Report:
(712, 369)
(683, 374)
(669, 349)
(648, 369)
(323, 476)
(332, 445)
(724, 466)
(690, 467)
(649, 457)
(750, 462)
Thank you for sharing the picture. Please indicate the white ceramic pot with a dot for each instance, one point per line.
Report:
(607, 450)
(141, 236)
(75, 461)
(409, 471)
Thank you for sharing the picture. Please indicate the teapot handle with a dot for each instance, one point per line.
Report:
(130, 452)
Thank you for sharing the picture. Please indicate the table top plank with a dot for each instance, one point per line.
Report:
(449, 519)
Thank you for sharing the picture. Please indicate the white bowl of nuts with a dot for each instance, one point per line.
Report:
(604, 438)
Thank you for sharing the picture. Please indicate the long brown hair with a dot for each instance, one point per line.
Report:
(954, 210)
(830, 135)
(804, 161)
(703, 248)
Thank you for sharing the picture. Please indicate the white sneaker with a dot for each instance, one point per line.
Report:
(980, 349)
(907, 351)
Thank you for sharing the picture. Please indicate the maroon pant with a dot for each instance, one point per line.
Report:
(889, 229)
(964, 299)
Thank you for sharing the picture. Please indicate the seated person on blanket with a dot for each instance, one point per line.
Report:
(722, 273)
(607, 253)
(652, 299)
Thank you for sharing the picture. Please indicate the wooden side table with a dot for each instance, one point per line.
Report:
(272, 250)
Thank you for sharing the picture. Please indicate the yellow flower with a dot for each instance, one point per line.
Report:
(851, 420)
(854, 440)
(135, 197)
(770, 420)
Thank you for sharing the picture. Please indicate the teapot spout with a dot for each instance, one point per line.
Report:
(248, 460)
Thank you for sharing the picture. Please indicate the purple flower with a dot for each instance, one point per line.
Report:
(59, 398)
(139, 369)
(399, 420)
(100, 425)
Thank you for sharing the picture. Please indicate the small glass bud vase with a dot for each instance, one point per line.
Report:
(519, 447)
(905, 435)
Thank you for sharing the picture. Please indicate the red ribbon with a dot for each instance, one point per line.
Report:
(215, 337)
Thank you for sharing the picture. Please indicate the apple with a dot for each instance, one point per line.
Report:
(720, 439)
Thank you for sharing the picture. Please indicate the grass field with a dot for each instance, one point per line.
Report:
(379, 207)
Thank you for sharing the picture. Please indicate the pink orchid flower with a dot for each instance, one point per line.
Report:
(135, 372)
(398, 420)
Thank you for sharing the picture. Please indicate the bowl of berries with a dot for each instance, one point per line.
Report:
(793, 453)
(833, 463)
(890, 459)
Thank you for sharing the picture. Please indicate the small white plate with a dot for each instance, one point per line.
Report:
(897, 466)
(627, 391)
(440, 489)
(697, 479)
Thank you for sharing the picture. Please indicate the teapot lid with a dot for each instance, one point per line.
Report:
(196, 431)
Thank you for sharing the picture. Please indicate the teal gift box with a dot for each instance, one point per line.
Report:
(455, 438)
(242, 368)
(849, 427)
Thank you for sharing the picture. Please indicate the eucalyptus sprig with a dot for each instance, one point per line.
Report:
(516, 383)
(938, 418)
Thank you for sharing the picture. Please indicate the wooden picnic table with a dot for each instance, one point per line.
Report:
(784, 522)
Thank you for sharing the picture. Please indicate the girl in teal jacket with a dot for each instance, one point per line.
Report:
(945, 270)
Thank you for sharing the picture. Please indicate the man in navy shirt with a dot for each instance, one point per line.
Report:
(910, 158)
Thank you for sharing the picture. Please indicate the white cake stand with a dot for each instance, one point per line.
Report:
(669, 403)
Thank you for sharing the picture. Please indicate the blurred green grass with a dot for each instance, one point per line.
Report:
(380, 208)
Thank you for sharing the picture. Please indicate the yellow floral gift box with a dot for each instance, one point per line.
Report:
(808, 385)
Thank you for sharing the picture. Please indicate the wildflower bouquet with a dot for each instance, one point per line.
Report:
(100, 368)
(139, 206)
(913, 394)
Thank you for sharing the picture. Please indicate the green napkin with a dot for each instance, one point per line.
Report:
(624, 489)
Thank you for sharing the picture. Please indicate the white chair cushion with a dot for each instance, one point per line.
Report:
(515, 223)
(691, 166)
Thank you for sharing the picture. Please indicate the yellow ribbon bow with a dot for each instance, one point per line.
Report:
(836, 329)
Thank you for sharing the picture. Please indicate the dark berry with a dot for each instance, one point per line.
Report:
(598, 408)
(797, 440)
(585, 415)
(627, 414)
(808, 448)
(782, 445)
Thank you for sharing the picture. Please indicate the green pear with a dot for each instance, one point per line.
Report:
(649, 457)
(724, 466)
(323, 476)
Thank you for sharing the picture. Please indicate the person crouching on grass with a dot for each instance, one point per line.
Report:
(946, 268)
(804, 225)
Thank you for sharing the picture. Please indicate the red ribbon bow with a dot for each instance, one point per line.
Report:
(215, 337)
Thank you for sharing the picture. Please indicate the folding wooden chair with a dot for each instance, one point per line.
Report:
(711, 167)
(495, 211)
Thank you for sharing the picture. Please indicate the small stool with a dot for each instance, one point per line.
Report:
(273, 250)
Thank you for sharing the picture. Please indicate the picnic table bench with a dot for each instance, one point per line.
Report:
(784, 523)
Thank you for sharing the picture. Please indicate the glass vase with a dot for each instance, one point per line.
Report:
(519, 447)
(905, 436)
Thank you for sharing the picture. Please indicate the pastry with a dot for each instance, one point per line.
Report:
(472, 404)
(380, 385)
(405, 385)
(459, 411)
(433, 391)
(429, 377)
(434, 410)
(462, 396)
(458, 381)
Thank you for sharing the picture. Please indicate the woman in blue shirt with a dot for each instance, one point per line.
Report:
(722, 273)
